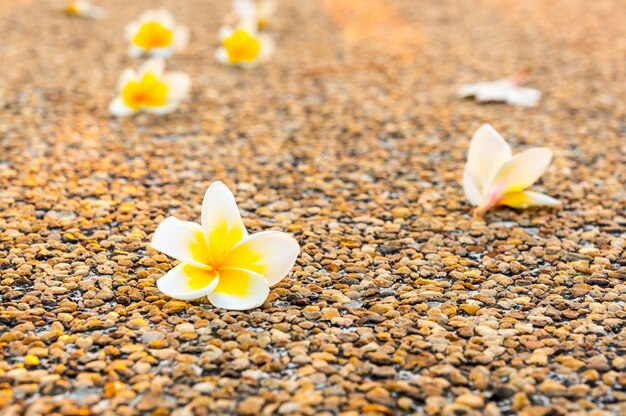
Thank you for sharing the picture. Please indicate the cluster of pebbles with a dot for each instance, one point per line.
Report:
(400, 302)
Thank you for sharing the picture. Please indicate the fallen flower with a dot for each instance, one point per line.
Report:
(492, 176)
(506, 90)
(259, 11)
(156, 33)
(219, 259)
(151, 89)
(244, 46)
(83, 8)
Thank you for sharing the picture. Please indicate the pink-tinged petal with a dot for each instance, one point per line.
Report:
(188, 282)
(528, 199)
(523, 170)
(221, 221)
(526, 97)
(118, 108)
(182, 240)
(239, 290)
(271, 254)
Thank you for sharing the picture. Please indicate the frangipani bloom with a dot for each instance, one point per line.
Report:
(494, 177)
(244, 46)
(506, 90)
(219, 259)
(151, 89)
(156, 33)
(83, 8)
(259, 11)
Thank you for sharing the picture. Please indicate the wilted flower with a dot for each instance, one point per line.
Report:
(492, 176)
(83, 8)
(506, 90)
(219, 259)
(151, 89)
(156, 33)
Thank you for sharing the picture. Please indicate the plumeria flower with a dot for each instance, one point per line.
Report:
(261, 11)
(219, 259)
(151, 89)
(244, 46)
(156, 33)
(83, 8)
(506, 90)
(492, 176)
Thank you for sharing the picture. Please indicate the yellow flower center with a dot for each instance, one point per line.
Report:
(153, 35)
(241, 47)
(148, 92)
(73, 9)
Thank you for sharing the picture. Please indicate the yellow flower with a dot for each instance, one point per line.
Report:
(156, 33)
(492, 176)
(219, 259)
(151, 89)
(83, 8)
(244, 47)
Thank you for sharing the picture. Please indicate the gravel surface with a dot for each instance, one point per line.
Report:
(351, 139)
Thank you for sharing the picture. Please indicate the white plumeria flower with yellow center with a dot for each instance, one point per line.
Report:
(244, 46)
(151, 89)
(155, 33)
(494, 177)
(259, 11)
(219, 259)
(506, 90)
(83, 8)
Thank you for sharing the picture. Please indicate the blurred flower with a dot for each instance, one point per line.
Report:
(219, 259)
(156, 33)
(506, 90)
(494, 177)
(259, 11)
(83, 8)
(244, 47)
(151, 89)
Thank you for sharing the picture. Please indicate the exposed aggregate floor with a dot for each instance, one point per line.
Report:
(351, 139)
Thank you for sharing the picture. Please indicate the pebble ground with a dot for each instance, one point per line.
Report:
(352, 140)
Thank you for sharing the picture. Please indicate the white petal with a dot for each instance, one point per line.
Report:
(222, 56)
(267, 47)
(221, 221)
(164, 109)
(181, 38)
(528, 199)
(182, 240)
(127, 76)
(131, 30)
(187, 282)
(239, 290)
(472, 191)
(496, 91)
(527, 97)
(154, 66)
(119, 109)
(521, 171)
(271, 254)
(135, 51)
(164, 53)
(488, 152)
(244, 9)
(225, 32)
(178, 85)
